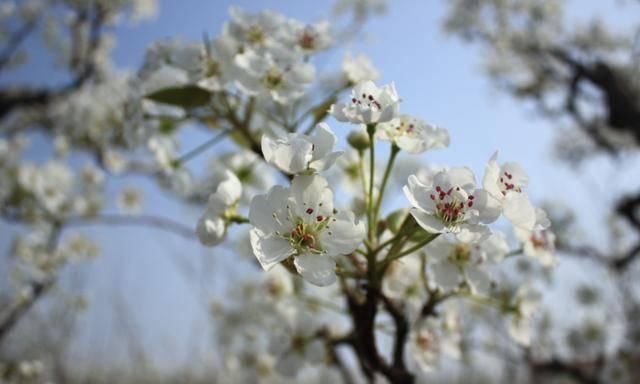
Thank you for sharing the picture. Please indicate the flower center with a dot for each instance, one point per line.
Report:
(212, 68)
(254, 34)
(451, 207)
(273, 79)
(425, 341)
(540, 240)
(307, 40)
(506, 183)
(304, 236)
(461, 254)
(366, 100)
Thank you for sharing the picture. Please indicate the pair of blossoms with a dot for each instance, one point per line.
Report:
(299, 227)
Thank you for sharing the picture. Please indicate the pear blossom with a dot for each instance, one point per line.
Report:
(452, 203)
(212, 225)
(164, 149)
(299, 153)
(451, 261)
(431, 339)
(51, 184)
(506, 183)
(358, 69)
(297, 226)
(254, 174)
(216, 64)
(369, 104)
(525, 303)
(539, 242)
(412, 134)
(254, 31)
(295, 345)
(308, 38)
(278, 75)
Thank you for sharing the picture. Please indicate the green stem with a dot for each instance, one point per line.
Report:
(200, 148)
(397, 253)
(371, 129)
(392, 157)
(237, 219)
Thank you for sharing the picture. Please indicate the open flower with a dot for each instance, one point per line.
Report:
(299, 227)
(506, 183)
(369, 104)
(525, 302)
(308, 38)
(358, 69)
(279, 75)
(258, 31)
(452, 262)
(432, 339)
(212, 225)
(298, 153)
(539, 242)
(412, 134)
(452, 203)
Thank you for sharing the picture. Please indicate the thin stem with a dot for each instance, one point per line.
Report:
(392, 157)
(371, 128)
(201, 148)
(416, 247)
(398, 253)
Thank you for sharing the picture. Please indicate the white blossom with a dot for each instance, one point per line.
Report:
(212, 225)
(299, 153)
(413, 135)
(452, 203)
(298, 225)
(279, 75)
(369, 104)
(359, 69)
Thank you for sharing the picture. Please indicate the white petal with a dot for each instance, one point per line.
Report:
(269, 249)
(269, 212)
(518, 209)
(427, 221)
(418, 194)
(491, 176)
(230, 189)
(316, 269)
(323, 141)
(445, 274)
(210, 230)
(343, 235)
(478, 279)
(487, 205)
(289, 155)
(312, 197)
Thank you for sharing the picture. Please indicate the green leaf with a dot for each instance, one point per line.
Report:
(187, 96)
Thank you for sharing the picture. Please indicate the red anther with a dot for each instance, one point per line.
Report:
(354, 100)
(471, 197)
(438, 189)
(319, 217)
(309, 211)
(370, 97)
(470, 204)
(432, 197)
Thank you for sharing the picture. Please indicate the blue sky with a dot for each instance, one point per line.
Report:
(438, 78)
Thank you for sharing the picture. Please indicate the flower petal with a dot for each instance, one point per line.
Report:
(269, 249)
(316, 269)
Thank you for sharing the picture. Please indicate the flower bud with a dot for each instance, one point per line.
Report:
(359, 139)
(395, 219)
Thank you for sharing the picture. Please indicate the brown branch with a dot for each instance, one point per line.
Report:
(134, 220)
(15, 41)
(558, 367)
